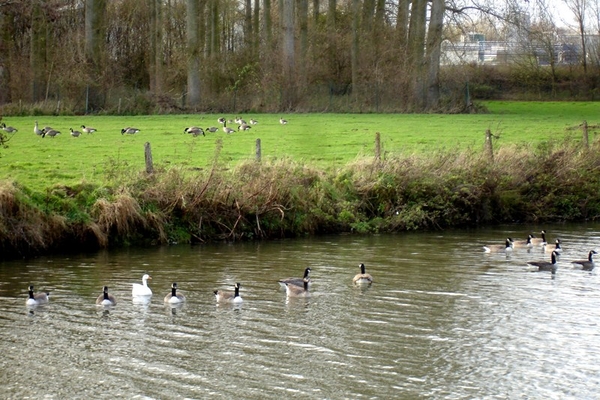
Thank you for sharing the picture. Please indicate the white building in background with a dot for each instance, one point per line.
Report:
(474, 49)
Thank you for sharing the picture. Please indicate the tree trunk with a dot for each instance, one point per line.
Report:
(256, 28)
(95, 32)
(331, 9)
(316, 11)
(268, 22)
(355, 49)
(402, 26)
(6, 46)
(38, 52)
(156, 47)
(416, 48)
(289, 61)
(303, 22)
(248, 25)
(193, 52)
(367, 15)
(213, 28)
(433, 54)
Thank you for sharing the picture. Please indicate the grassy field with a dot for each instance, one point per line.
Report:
(325, 140)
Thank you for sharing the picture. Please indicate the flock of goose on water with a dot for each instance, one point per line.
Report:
(532, 242)
(294, 287)
(242, 125)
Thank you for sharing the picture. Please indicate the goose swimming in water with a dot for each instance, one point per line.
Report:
(106, 299)
(498, 248)
(298, 291)
(224, 296)
(363, 277)
(174, 297)
(545, 265)
(35, 299)
(541, 241)
(295, 281)
(588, 264)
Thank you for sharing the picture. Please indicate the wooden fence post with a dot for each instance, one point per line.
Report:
(148, 155)
(489, 149)
(258, 150)
(377, 146)
(586, 138)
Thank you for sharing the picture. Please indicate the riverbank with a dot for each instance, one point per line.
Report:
(284, 198)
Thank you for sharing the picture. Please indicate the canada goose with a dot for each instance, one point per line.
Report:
(88, 129)
(106, 299)
(9, 129)
(539, 241)
(557, 247)
(37, 298)
(52, 133)
(545, 265)
(228, 130)
(129, 130)
(223, 296)
(283, 121)
(253, 122)
(244, 127)
(47, 128)
(75, 133)
(174, 297)
(497, 248)
(363, 277)
(298, 291)
(588, 264)
(37, 130)
(212, 129)
(142, 289)
(295, 281)
(194, 130)
(524, 243)
(221, 120)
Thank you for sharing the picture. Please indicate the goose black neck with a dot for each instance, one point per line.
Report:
(591, 256)
(31, 294)
(106, 295)
(306, 285)
(174, 292)
(237, 291)
(362, 268)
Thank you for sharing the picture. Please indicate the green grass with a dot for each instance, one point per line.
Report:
(324, 140)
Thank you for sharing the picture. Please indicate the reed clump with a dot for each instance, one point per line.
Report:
(556, 181)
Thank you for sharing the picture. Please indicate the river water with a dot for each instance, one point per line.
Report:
(442, 320)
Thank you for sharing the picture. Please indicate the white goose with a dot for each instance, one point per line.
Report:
(142, 289)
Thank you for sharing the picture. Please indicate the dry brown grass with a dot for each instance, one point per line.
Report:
(24, 229)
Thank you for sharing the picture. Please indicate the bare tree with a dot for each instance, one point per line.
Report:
(579, 10)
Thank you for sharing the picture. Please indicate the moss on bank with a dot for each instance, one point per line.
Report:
(553, 182)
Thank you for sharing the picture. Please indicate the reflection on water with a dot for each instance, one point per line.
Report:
(441, 320)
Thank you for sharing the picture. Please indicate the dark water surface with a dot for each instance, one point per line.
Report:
(443, 320)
